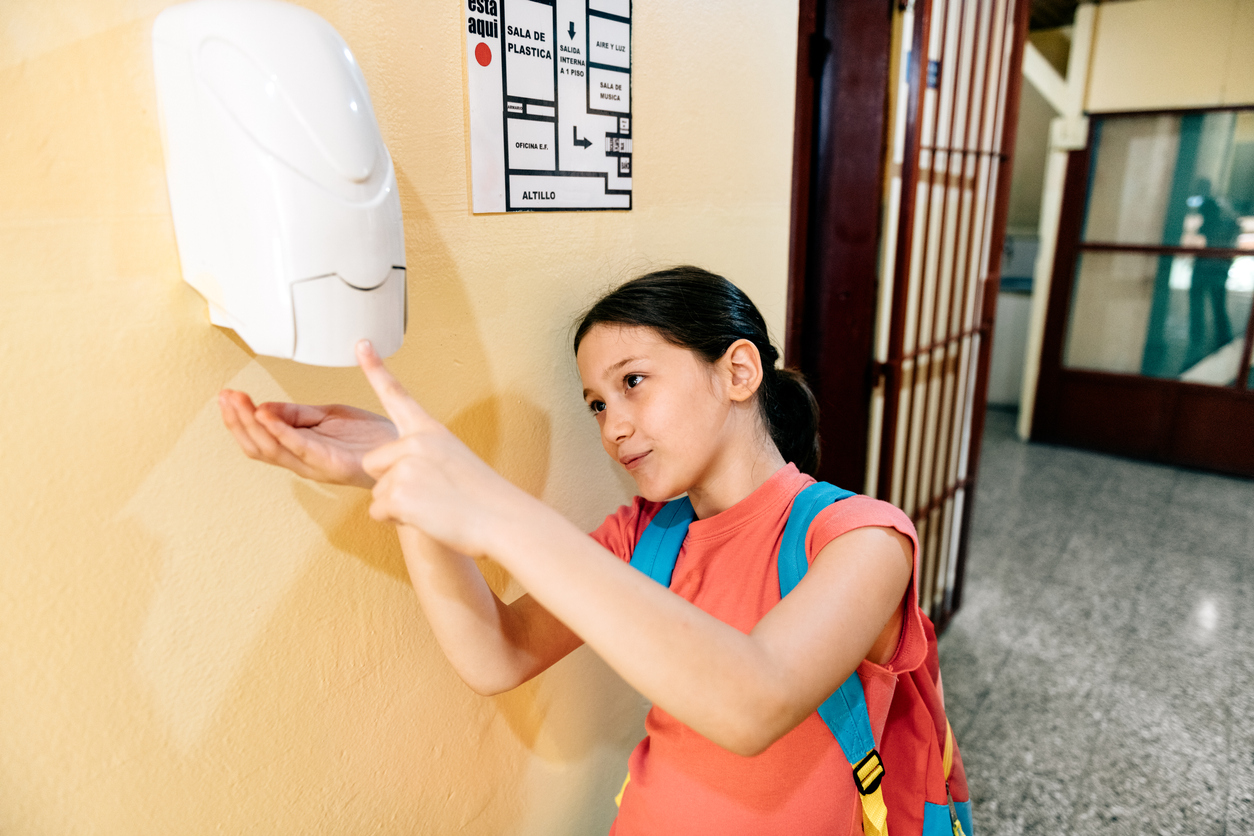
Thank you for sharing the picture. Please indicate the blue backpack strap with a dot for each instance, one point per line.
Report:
(792, 548)
(844, 712)
(658, 547)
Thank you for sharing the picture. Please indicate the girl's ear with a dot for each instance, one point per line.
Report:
(743, 363)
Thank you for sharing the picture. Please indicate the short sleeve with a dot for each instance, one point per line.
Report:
(861, 512)
(621, 530)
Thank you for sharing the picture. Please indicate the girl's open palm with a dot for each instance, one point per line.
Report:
(323, 443)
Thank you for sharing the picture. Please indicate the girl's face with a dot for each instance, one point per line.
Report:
(664, 413)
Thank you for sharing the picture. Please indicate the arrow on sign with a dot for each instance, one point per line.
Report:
(582, 143)
(572, 30)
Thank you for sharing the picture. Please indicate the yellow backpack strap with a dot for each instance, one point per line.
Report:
(947, 759)
(947, 763)
(867, 775)
(845, 714)
(618, 799)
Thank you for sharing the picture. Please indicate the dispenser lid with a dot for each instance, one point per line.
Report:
(331, 316)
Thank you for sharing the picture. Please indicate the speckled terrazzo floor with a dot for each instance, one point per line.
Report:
(1100, 674)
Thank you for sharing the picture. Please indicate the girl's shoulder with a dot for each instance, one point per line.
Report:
(622, 529)
(855, 512)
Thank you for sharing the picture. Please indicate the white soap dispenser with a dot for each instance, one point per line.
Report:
(283, 193)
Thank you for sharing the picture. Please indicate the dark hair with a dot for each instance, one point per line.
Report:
(704, 313)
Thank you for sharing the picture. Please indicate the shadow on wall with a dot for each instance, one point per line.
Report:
(234, 543)
(262, 649)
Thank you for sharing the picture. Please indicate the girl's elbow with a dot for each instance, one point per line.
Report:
(487, 689)
(499, 673)
(757, 730)
(491, 683)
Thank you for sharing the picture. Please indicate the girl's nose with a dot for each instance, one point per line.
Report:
(616, 428)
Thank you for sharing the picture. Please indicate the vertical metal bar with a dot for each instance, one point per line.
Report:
(976, 261)
(950, 420)
(925, 242)
(983, 250)
(909, 192)
(917, 285)
(934, 278)
(935, 272)
(975, 254)
(949, 354)
(926, 487)
(980, 254)
(884, 379)
(1009, 127)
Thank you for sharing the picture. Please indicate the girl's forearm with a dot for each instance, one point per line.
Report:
(492, 646)
(712, 677)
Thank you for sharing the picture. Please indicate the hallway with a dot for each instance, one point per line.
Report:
(1100, 674)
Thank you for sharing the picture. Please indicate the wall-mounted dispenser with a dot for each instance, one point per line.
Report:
(283, 193)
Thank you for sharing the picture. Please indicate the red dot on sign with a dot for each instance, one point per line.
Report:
(483, 55)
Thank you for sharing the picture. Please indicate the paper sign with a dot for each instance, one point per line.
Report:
(550, 104)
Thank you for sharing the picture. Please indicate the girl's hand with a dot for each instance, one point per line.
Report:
(428, 478)
(323, 443)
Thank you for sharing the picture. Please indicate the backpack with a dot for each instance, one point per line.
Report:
(914, 779)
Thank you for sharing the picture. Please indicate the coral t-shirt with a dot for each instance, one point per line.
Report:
(681, 782)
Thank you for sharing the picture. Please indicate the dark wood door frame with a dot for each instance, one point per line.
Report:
(843, 60)
(841, 146)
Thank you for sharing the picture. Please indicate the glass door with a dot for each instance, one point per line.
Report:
(1148, 338)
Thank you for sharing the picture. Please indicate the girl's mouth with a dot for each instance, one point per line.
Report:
(633, 461)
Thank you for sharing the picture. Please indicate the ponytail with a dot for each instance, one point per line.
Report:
(704, 313)
(792, 416)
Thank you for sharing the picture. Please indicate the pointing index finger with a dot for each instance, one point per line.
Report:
(404, 411)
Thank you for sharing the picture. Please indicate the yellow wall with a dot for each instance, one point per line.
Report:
(195, 643)
(1167, 54)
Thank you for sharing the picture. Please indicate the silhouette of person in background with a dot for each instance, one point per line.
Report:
(1210, 275)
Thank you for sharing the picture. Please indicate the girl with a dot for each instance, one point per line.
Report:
(680, 377)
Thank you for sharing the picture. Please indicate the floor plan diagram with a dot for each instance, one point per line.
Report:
(550, 104)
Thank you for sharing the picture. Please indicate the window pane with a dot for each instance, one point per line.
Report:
(1173, 180)
(1131, 180)
(1110, 311)
(1180, 317)
(1219, 293)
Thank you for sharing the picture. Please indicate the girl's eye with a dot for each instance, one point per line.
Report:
(597, 407)
(633, 380)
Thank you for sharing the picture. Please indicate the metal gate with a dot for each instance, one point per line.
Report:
(946, 205)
